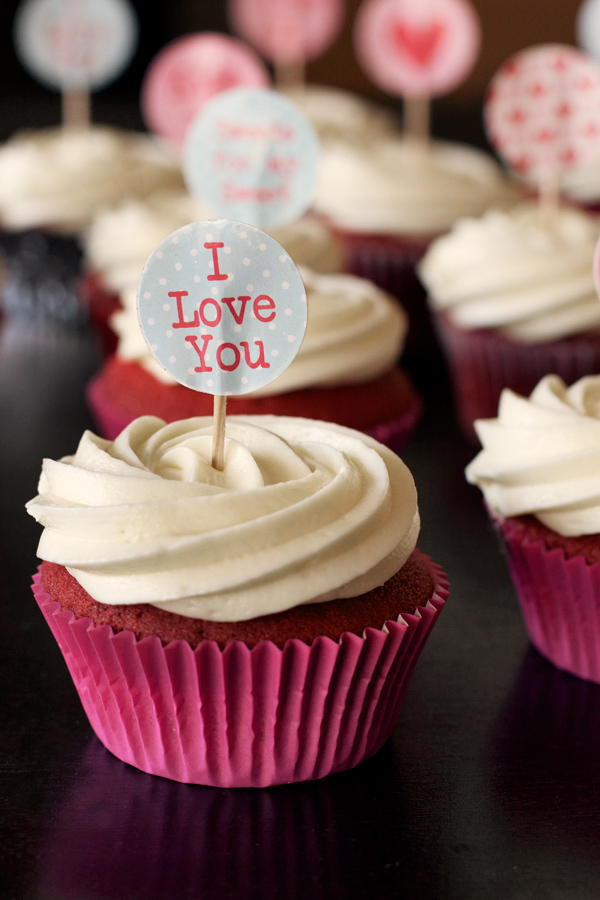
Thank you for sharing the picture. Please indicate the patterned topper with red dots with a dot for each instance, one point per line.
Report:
(417, 49)
(542, 111)
(189, 72)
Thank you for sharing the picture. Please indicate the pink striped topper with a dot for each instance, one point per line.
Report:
(286, 31)
(542, 110)
(417, 49)
(190, 71)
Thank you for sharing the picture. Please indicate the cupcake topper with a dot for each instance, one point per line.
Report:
(417, 50)
(75, 46)
(288, 32)
(223, 309)
(252, 155)
(190, 71)
(587, 27)
(542, 114)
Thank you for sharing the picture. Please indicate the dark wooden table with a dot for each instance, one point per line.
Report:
(489, 787)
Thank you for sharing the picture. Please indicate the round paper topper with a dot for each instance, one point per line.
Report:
(587, 27)
(542, 110)
(222, 307)
(288, 30)
(252, 155)
(72, 45)
(417, 49)
(190, 71)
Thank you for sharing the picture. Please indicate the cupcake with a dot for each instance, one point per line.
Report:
(345, 371)
(340, 115)
(119, 241)
(51, 184)
(245, 627)
(513, 299)
(538, 471)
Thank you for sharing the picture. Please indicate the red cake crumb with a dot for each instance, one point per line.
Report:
(531, 530)
(133, 390)
(408, 589)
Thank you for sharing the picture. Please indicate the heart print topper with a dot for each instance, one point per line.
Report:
(75, 45)
(222, 307)
(542, 111)
(413, 49)
(189, 72)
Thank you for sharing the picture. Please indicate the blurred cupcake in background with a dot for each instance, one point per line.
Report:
(538, 471)
(346, 370)
(513, 299)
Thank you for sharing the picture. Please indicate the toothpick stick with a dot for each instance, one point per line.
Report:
(76, 109)
(417, 118)
(218, 448)
(290, 74)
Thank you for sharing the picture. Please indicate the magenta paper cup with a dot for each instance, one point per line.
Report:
(560, 602)
(484, 362)
(111, 420)
(239, 717)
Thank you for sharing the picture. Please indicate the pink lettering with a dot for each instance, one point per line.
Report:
(217, 275)
(205, 320)
(236, 354)
(181, 323)
(201, 351)
(264, 302)
(260, 362)
(229, 301)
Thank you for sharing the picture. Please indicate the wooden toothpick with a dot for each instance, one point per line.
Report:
(76, 109)
(417, 118)
(218, 447)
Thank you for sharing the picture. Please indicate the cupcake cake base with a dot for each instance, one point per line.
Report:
(242, 716)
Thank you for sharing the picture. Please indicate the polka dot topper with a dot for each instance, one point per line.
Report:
(252, 155)
(222, 307)
(542, 110)
(75, 45)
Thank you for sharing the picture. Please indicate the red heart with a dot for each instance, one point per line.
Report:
(419, 42)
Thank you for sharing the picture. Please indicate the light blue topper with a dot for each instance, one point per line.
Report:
(222, 307)
(252, 155)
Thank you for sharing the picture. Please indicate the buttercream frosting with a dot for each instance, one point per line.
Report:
(119, 241)
(511, 271)
(337, 114)
(303, 511)
(355, 333)
(59, 177)
(395, 186)
(541, 456)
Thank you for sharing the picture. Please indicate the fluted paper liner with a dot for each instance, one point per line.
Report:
(560, 603)
(483, 362)
(239, 717)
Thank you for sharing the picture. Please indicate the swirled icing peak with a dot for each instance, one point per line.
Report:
(355, 333)
(541, 456)
(303, 511)
(60, 177)
(391, 185)
(515, 272)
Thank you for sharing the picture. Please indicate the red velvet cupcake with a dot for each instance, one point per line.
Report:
(247, 627)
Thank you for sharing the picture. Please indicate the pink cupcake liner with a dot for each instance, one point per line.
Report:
(390, 261)
(394, 433)
(239, 717)
(560, 603)
(483, 362)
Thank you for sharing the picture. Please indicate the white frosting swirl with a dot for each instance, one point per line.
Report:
(303, 511)
(391, 185)
(355, 333)
(337, 114)
(58, 178)
(541, 456)
(119, 241)
(512, 272)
